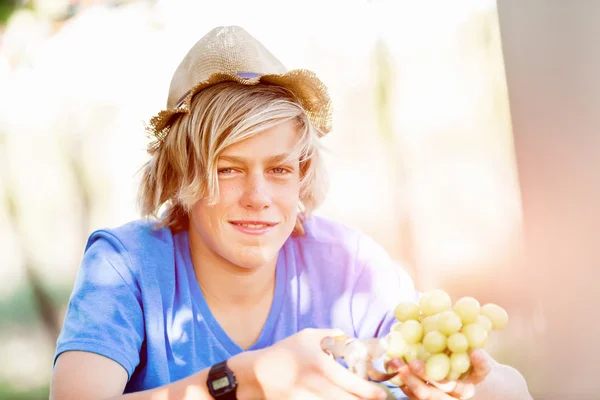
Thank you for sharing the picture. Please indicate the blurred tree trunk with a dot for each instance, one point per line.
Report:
(44, 304)
(552, 60)
(384, 108)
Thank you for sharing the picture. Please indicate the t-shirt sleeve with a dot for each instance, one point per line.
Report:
(104, 314)
(380, 285)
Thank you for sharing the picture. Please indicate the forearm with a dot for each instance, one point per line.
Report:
(194, 387)
(503, 383)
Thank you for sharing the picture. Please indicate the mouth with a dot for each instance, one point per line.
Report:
(253, 227)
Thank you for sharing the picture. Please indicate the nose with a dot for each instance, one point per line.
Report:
(257, 194)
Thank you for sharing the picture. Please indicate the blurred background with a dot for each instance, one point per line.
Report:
(421, 157)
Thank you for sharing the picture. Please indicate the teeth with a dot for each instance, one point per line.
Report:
(253, 226)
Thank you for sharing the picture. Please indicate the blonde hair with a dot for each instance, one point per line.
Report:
(182, 169)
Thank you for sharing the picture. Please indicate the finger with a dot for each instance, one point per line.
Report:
(417, 367)
(351, 383)
(414, 389)
(314, 334)
(406, 390)
(481, 363)
(463, 390)
(457, 389)
(325, 389)
(430, 393)
(415, 384)
(394, 364)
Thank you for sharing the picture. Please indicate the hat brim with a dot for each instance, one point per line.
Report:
(310, 91)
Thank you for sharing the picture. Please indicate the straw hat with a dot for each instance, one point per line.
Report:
(229, 53)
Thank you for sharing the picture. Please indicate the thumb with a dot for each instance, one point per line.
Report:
(331, 341)
(482, 364)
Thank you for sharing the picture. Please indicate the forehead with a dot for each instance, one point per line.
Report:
(279, 139)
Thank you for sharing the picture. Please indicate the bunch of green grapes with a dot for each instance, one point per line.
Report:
(442, 335)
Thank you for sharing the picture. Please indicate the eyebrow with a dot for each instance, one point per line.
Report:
(279, 158)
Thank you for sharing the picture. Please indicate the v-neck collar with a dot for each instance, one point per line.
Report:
(266, 336)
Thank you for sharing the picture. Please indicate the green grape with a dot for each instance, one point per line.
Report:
(430, 323)
(496, 314)
(448, 323)
(412, 331)
(476, 335)
(396, 326)
(460, 362)
(437, 367)
(485, 322)
(396, 381)
(453, 375)
(411, 352)
(467, 308)
(396, 344)
(457, 343)
(406, 311)
(435, 342)
(434, 302)
(422, 353)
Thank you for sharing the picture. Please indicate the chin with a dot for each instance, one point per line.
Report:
(251, 262)
(253, 257)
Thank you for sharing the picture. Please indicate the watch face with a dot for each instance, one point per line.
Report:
(220, 383)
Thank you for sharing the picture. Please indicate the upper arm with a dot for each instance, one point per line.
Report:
(99, 345)
(83, 375)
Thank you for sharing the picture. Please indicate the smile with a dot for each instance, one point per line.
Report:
(253, 227)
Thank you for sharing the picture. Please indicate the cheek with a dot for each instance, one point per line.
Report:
(228, 201)
(206, 217)
(201, 217)
(288, 195)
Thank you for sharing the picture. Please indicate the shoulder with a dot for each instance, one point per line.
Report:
(333, 243)
(130, 246)
(325, 233)
(132, 235)
(370, 261)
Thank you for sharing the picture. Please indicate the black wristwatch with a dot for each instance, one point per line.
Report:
(221, 382)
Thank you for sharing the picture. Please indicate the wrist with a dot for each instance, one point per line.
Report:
(242, 366)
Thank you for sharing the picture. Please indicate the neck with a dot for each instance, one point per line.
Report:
(226, 285)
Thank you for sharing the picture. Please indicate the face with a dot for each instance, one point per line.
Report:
(257, 206)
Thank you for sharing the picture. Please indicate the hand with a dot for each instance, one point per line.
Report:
(297, 368)
(417, 387)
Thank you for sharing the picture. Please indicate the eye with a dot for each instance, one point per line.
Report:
(225, 171)
(279, 170)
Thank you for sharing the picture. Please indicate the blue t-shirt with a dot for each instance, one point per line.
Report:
(136, 299)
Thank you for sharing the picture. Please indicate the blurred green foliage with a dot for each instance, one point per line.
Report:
(7, 392)
(7, 7)
(19, 309)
